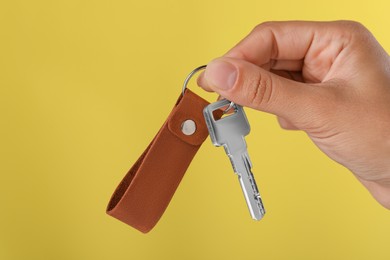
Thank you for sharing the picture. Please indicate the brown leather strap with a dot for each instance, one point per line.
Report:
(146, 190)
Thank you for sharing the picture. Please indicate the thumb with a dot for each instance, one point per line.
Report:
(249, 85)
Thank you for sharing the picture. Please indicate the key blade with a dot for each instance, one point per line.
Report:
(242, 167)
(258, 214)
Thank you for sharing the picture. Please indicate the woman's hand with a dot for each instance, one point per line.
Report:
(329, 79)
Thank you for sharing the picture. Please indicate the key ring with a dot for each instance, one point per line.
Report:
(231, 105)
(190, 76)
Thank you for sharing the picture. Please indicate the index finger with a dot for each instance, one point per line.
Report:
(287, 45)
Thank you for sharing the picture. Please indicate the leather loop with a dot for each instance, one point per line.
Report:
(144, 193)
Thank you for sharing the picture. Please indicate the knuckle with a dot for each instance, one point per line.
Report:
(284, 124)
(354, 27)
(260, 90)
(263, 26)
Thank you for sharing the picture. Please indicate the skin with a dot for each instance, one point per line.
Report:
(329, 79)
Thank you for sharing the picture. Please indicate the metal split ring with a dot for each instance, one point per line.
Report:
(192, 73)
(190, 76)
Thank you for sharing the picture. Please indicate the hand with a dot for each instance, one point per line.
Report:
(329, 79)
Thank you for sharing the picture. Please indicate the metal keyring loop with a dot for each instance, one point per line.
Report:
(231, 105)
(190, 76)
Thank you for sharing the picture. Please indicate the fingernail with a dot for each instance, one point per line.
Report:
(221, 74)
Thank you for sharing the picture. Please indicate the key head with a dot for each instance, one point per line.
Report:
(232, 127)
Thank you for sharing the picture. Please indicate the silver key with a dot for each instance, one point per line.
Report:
(230, 132)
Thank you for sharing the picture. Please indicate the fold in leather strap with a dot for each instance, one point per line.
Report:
(146, 190)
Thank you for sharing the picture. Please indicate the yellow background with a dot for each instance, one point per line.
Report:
(85, 85)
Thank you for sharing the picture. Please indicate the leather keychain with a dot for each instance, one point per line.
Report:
(145, 192)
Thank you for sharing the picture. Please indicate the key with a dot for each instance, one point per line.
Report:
(230, 132)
